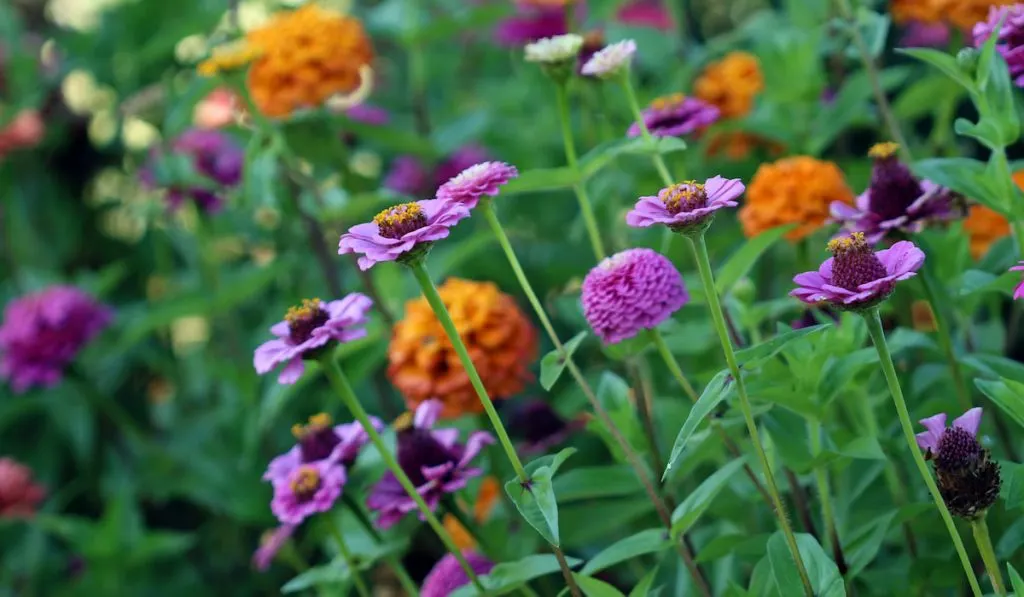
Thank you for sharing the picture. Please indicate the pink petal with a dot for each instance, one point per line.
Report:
(969, 421)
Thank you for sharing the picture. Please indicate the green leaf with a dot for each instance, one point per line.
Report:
(863, 547)
(1008, 395)
(942, 61)
(768, 349)
(537, 501)
(599, 157)
(976, 281)
(593, 587)
(1012, 490)
(552, 365)
(643, 588)
(332, 573)
(966, 176)
(551, 461)
(613, 394)
(442, 28)
(644, 542)
(509, 575)
(716, 391)
(996, 105)
(742, 260)
(821, 570)
(985, 131)
(700, 499)
(547, 179)
(1015, 580)
(592, 482)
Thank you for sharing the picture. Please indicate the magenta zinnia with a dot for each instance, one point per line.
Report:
(468, 186)
(403, 232)
(675, 115)
(308, 489)
(321, 440)
(447, 574)
(1010, 40)
(687, 206)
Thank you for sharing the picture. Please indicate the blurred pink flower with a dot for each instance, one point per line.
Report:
(18, 494)
(645, 13)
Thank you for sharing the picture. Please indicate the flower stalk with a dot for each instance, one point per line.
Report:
(988, 555)
(579, 187)
(634, 106)
(394, 562)
(349, 557)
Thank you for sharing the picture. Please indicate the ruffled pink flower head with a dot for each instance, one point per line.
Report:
(402, 233)
(1019, 291)
(476, 181)
(307, 490)
(320, 440)
(42, 332)
(434, 460)
(675, 115)
(1010, 43)
(270, 544)
(855, 278)
(968, 479)
(687, 207)
(894, 201)
(447, 574)
(307, 330)
(610, 61)
(631, 291)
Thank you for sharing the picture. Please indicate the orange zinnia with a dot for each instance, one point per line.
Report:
(984, 226)
(731, 84)
(501, 342)
(959, 13)
(796, 190)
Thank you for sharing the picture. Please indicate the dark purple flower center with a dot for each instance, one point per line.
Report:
(305, 318)
(317, 438)
(417, 448)
(957, 449)
(893, 187)
(854, 264)
(684, 197)
(306, 483)
(536, 422)
(397, 221)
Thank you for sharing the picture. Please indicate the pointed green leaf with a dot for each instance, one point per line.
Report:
(768, 349)
(966, 176)
(643, 588)
(714, 393)
(942, 61)
(743, 259)
(552, 365)
(593, 587)
(700, 499)
(1008, 395)
(644, 542)
(537, 501)
(551, 461)
(821, 570)
(1015, 580)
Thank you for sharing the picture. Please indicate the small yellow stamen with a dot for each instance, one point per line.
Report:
(685, 193)
(316, 422)
(668, 101)
(846, 244)
(307, 481)
(883, 150)
(403, 422)
(399, 214)
(305, 311)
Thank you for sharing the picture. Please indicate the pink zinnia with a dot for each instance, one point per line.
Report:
(307, 490)
(530, 24)
(447, 574)
(476, 181)
(675, 115)
(403, 232)
(631, 291)
(19, 495)
(687, 206)
(309, 328)
(1019, 291)
(645, 13)
(319, 440)
(1010, 40)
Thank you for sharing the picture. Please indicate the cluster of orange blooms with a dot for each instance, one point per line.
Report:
(959, 13)
(730, 84)
(299, 59)
(502, 343)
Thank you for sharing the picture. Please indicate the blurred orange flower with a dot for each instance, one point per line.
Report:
(486, 500)
(500, 339)
(959, 13)
(730, 85)
(795, 190)
(984, 226)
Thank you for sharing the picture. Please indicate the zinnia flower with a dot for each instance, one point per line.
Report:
(270, 544)
(855, 278)
(686, 207)
(307, 490)
(215, 157)
(796, 190)
(42, 333)
(610, 60)
(320, 440)
(631, 291)
(434, 460)
(19, 495)
(402, 233)
(674, 116)
(476, 181)
(307, 330)
(894, 201)
(1010, 40)
(447, 575)
(645, 13)
(502, 343)
(969, 480)
(925, 35)
(530, 24)
(1019, 291)
(730, 84)
(984, 226)
(554, 50)
(540, 427)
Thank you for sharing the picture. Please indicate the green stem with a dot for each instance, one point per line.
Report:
(344, 391)
(945, 339)
(708, 281)
(672, 364)
(419, 270)
(350, 559)
(981, 537)
(562, 99)
(408, 584)
(634, 106)
(566, 572)
(821, 480)
(874, 322)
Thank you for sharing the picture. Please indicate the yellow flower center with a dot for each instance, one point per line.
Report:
(883, 150)
(303, 312)
(306, 482)
(317, 423)
(668, 101)
(847, 244)
(397, 221)
(403, 422)
(686, 196)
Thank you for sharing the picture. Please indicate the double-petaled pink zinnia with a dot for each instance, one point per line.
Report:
(855, 277)
(631, 291)
(468, 186)
(42, 333)
(402, 233)
(611, 60)
(675, 115)
(309, 328)
(688, 206)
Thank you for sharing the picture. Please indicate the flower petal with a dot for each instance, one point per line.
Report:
(969, 421)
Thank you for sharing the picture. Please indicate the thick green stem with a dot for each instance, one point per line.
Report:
(344, 391)
(419, 270)
(963, 392)
(562, 99)
(634, 106)
(408, 584)
(707, 278)
(350, 559)
(874, 322)
(988, 555)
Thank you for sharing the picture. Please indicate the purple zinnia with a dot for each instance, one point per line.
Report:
(42, 332)
(610, 60)
(531, 24)
(271, 543)
(968, 479)
(320, 440)
(895, 199)
(447, 574)
(855, 277)
(215, 157)
(540, 427)
(457, 161)
(938, 436)
(1019, 291)
(403, 232)
(367, 114)
(687, 206)
(675, 115)
(407, 176)
(307, 490)
(434, 460)
(307, 329)
(925, 35)
(480, 179)
(1010, 42)
(631, 291)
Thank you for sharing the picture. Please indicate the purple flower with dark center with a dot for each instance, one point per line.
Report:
(531, 24)
(540, 427)
(307, 490)
(968, 479)
(688, 206)
(307, 330)
(631, 291)
(434, 460)
(447, 574)
(925, 35)
(407, 176)
(320, 440)
(1010, 43)
(215, 157)
(271, 543)
(402, 233)
(476, 181)
(675, 115)
(1019, 291)
(42, 333)
(952, 445)
(854, 277)
(894, 201)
